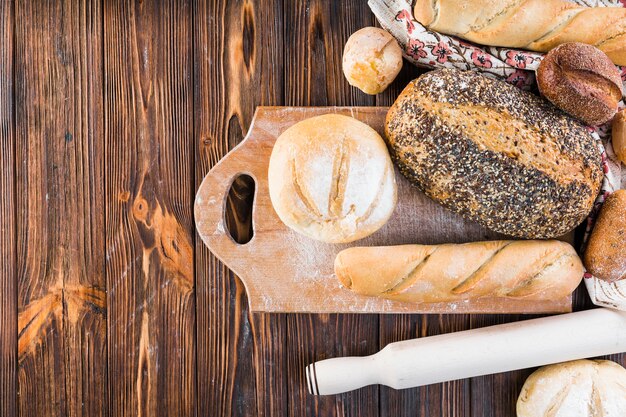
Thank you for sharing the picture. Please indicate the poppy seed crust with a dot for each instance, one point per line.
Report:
(495, 154)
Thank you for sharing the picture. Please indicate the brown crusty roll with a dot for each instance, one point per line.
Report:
(534, 270)
(582, 81)
(537, 25)
(618, 135)
(605, 256)
(495, 154)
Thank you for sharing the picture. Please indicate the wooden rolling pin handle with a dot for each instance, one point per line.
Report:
(471, 353)
(346, 374)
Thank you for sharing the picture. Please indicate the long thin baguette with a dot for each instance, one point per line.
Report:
(537, 25)
(529, 269)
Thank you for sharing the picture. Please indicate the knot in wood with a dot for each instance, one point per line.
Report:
(140, 209)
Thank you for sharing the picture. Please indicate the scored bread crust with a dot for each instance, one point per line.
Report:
(535, 270)
(495, 154)
(581, 80)
(577, 388)
(537, 25)
(331, 178)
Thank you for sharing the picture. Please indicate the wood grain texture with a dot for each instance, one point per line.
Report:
(284, 271)
(315, 34)
(313, 337)
(314, 41)
(496, 395)
(448, 399)
(239, 58)
(8, 268)
(149, 237)
(111, 113)
(61, 294)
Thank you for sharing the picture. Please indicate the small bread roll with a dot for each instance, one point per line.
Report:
(581, 80)
(618, 135)
(331, 179)
(371, 60)
(605, 256)
(580, 388)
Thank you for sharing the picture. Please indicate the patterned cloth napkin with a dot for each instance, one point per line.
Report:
(429, 49)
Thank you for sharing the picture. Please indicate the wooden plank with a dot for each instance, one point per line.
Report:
(496, 395)
(447, 399)
(314, 41)
(149, 193)
(61, 296)
(313, 337)
(238, 65)
(8, 269)
(315, 34)
(270, 363)
(450, 399)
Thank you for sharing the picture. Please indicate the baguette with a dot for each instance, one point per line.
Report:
(330, 178)
(537, 25)
(533, 270)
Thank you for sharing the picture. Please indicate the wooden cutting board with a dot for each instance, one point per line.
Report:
(286, 272)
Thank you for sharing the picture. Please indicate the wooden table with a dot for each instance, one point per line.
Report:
(111, 113)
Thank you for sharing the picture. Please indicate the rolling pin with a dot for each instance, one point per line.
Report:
(466, 354)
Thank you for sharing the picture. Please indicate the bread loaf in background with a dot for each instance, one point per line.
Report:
(537, 25)
(495, 154)
(330, 178)
(605, 255)
(534, 270)
(582, 388)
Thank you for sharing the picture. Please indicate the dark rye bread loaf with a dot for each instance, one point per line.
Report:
(495, 154)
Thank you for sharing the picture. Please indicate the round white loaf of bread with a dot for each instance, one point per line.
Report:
(580, 388)
(331, 179)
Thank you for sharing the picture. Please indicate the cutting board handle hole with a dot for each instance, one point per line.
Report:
(238, 209)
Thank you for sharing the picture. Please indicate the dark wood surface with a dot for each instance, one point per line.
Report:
(111, 113)
(59, 164)
(148, 149)
(8, 237)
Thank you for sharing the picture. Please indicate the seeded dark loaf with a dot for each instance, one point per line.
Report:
(495, 154)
